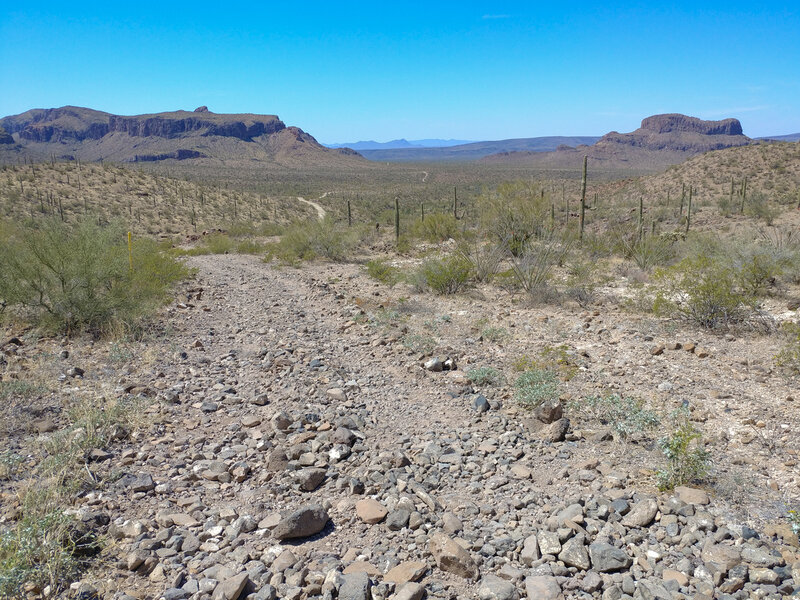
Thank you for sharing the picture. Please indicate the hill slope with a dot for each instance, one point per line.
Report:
(92, 135)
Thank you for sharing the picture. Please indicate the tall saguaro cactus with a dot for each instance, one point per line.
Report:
(582, 217)
(396, 218)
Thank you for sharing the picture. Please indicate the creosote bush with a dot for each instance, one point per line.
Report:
(703, 291)
(308, 240)
(436, 227)
(68, 278)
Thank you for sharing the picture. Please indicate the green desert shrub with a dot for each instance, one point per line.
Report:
(703, 291)
(513, 214)
(532, 269)
(446, 275)
(311, 239)
(436, 227)
(81, 277)
(536, 386)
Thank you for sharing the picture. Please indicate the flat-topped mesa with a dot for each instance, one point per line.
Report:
(71, 123)
(681, 123)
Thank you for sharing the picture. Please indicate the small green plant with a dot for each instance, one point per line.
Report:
(488, 376)
(447, 275)
(536, 386)
(687, 459)
(625, 415)
(794, 521)
(380, 270)
(789, 356)
(10, 463)
(20, 390)
(494, 334)
(307, 240)
(485, 259)
(419, 343)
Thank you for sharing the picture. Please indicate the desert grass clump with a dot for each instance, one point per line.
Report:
(46, 546)
(68, 278)
(381, 270)
(445, 275)
(788, 358)
(484, 257)
(513, 214)
(532, 267)
(536, 386)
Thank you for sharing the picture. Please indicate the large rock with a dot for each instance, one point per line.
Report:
(642, 513)
(451, 557)
(232, 588)
(303, 522)
(607, 558)
(723, 556)
(542, 587)
(573, 553)
(494, 588)
(405, 572)
(410, 591)
(370, 511)
(356, 586)
(648, 589)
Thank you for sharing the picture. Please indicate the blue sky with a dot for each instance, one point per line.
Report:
(348, 71)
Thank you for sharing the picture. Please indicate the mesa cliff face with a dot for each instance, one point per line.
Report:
(680, 133)
(72, 123)
(180, 135)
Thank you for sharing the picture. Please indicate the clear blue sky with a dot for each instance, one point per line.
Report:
(347, 71)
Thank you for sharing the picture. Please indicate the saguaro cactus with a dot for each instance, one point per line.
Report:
(582, 217)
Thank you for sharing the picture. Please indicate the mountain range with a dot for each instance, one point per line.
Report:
(238, 140)
(401, 143)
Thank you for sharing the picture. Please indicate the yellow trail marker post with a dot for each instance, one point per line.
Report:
(130, 251)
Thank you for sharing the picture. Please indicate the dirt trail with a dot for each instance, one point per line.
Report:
(272, 376)
(321, 212)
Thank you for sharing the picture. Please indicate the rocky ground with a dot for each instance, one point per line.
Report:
(298, 442)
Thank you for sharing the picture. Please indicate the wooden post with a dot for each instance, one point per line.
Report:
(582, 216)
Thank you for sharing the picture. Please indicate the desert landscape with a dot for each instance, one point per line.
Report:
(566, 372)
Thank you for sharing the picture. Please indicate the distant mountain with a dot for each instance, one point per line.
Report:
(661, 140)
(473, 150)
(92, 135)
(395, 144)
(791, 137)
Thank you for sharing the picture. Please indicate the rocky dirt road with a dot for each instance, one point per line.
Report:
(304, 446)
